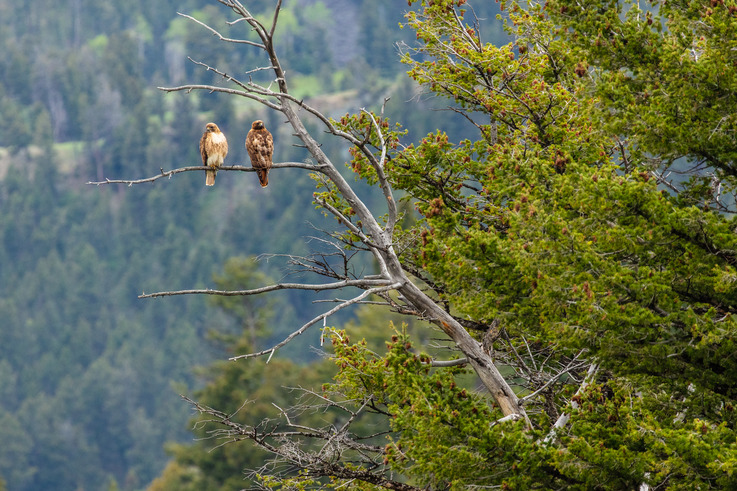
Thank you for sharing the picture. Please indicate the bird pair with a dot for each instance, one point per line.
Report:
(259, 144)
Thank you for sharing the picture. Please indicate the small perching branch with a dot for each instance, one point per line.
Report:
(222, 38)
(202, 168)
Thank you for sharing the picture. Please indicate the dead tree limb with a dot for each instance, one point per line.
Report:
(377, 238)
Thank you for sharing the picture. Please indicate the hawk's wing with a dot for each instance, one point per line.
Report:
(260, 146)
(203, 148)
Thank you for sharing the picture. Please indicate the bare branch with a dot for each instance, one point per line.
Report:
(293, 445)
(571, 366)
(346, 221)
(221, 73)
(360, 283)
(320, 317)
(201, 168)
(383, 182)
(224, 90)
(505, 419)
(448, 363)
(319, 263)
(563, 419)
(222, 38)
(239, 9)
(276, 17)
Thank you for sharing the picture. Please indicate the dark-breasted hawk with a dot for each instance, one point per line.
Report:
(260, 147)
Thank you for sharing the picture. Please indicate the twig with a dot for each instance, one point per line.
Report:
(222, 38)
(320, 317)
(552, 380)
(345, 221)
(214, 88)
(448, 363)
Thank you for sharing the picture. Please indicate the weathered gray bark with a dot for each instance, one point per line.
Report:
(392, 271)
(377, 238)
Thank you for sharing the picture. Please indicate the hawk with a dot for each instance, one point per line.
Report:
(260, 147)
(213, 148)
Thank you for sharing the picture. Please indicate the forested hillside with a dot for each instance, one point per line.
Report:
(89, 374)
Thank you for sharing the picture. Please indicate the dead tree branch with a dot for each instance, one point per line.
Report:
(322, 317)
(222, 38)
(377, 238)
(202, 168)
(314, 450)
(360, 283)
(562, 421)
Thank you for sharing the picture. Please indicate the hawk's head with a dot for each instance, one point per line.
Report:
(212, 128)
(258, 125)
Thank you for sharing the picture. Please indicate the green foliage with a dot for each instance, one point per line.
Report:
(667, 75)
(604, 260)
(441, 431)
(552, 224)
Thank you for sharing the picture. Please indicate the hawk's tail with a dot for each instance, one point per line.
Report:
(263, 177)
(210, 177)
